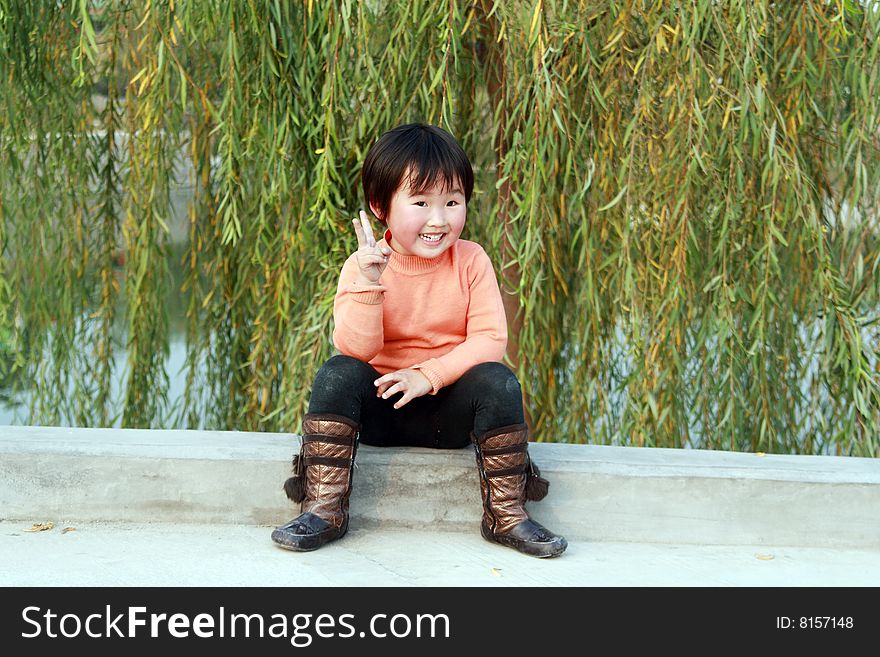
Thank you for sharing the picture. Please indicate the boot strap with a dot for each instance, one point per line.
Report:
(506, 472)
(332, 461)
(509, 449)
(333, 440)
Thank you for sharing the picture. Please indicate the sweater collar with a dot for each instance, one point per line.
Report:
(412, 265)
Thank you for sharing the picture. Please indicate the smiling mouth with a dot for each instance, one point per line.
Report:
(432, 238)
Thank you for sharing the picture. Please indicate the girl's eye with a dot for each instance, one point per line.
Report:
(426, 203)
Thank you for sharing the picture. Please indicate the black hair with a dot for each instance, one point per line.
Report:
(428, 152)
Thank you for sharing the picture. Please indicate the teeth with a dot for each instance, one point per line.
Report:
(431, 238)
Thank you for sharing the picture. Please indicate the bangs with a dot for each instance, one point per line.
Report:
(428, 167)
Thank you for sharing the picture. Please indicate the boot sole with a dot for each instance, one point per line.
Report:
(307, 542)
(538, 550)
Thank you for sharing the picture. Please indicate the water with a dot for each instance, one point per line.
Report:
(14, 410)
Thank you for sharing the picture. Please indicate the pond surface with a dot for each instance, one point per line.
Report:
(14, 411)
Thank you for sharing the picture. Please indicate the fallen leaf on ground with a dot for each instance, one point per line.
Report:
(68, 529)
(765, 557)
(41, 526)
(496, 572)
(759, 454)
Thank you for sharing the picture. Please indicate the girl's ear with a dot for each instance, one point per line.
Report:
(375, 212)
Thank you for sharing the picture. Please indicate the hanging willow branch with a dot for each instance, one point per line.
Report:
(680, 200)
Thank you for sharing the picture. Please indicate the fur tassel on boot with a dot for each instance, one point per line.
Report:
(294, 487)
(536, 485)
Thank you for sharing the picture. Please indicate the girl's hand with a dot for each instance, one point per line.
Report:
(371, 259)
(412, 383)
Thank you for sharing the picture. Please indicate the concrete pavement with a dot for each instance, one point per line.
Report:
(166, 554)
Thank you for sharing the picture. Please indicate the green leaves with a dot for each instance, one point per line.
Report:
(613, 201)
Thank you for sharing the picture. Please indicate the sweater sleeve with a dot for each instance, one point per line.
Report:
(357, 315)
(486, 329)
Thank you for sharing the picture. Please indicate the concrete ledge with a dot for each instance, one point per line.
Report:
(597, 493)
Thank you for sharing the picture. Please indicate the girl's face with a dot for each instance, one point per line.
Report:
(426, 224)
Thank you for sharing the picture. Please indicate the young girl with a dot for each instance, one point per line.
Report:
(420, 327)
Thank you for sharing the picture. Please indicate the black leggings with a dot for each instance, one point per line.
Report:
(487, 396)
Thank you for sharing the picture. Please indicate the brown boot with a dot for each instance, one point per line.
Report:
(321, 481)
(507, 479)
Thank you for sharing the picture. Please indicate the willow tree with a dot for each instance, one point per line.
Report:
(680, 199)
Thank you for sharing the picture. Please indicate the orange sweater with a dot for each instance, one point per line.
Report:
(441, 315)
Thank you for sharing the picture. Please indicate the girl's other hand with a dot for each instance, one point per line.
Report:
(371, 258)
(412, 383)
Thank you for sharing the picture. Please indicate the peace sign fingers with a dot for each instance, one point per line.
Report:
(371, 258)
(364, 231)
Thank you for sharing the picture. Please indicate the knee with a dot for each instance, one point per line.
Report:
(495, 379)
(343, 372)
